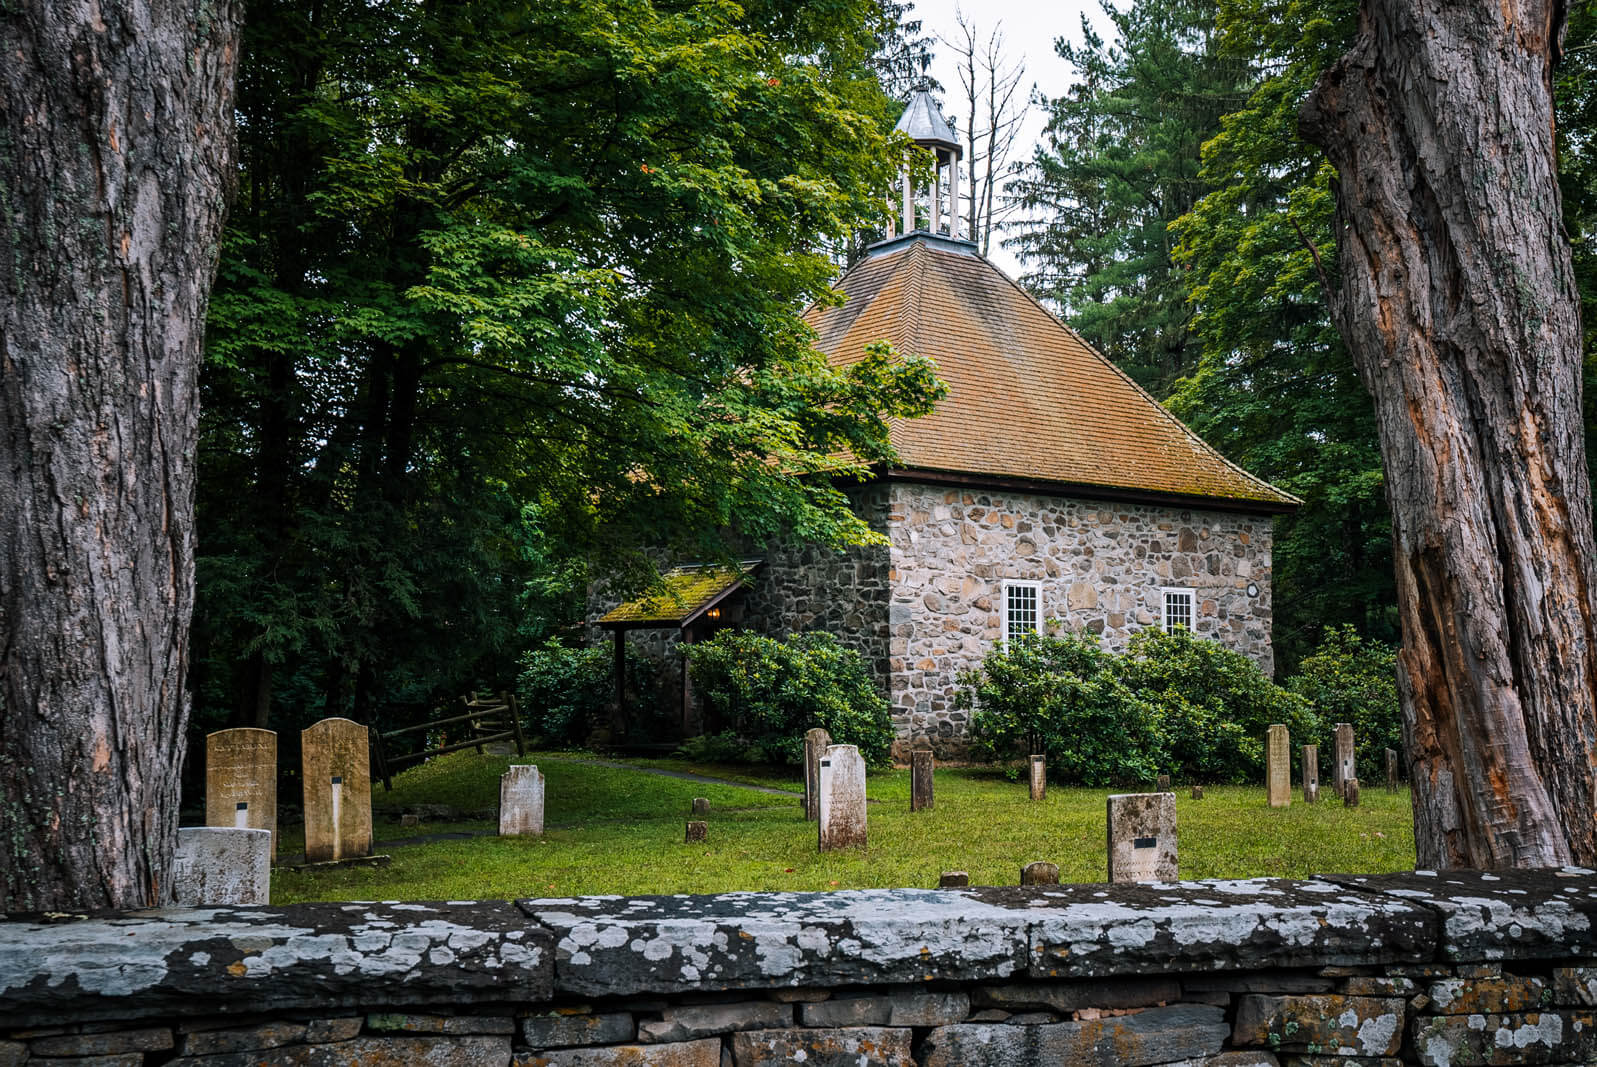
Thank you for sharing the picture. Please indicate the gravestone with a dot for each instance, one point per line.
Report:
(1311, 773)
(1039, 873)
(218, 865)
(336, 774)
(410, 822)
(842, 798)
(1142, 837)
(701, 805)
(241, 781)
(953, 880)
(815, 745)
(1197, 792)
(1278, 767)
(1350, 793)
(1391, 771)
(698, 830)
(1039, 777)
(521, 801)
(920, 779)
(1343, 768)
(1163, 783)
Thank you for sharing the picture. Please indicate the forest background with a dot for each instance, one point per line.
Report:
(509, 295)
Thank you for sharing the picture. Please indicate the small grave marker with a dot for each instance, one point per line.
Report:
(241, 780)
(222, 865)
(920, 779)
(1197, 792)
(521, 792)
(1142, 837)
(1278, 767)
(1343, 769)
(1163, 784)
(1039, 777)
(953, 880)
(816, 742)
(336, 774)
(701, 805)
(698, 830)
(1350, 793)
(1311, 773)
(409, 821)
(1040, 873)
(1391, 771)
(842, 797)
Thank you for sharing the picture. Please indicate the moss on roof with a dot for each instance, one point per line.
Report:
(688, 590)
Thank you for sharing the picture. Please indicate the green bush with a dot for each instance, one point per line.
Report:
(1064, 697)
(770, 692)
(1352, 680)
(1215, 703)
(566, 692)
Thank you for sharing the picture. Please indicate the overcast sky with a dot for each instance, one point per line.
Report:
(1030, 29)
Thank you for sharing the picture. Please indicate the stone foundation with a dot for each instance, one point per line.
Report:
(1409, 968)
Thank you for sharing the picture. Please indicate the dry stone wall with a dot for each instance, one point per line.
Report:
(1418, 968)
(1101, 568)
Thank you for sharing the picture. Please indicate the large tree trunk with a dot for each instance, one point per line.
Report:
(1458, 302)
(116, 124)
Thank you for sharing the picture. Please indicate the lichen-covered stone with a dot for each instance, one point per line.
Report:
(243, 1038)
(688, 1021)
(1494, 915)
(1157, 1035)
(115, 1059)
(1258, 982)
(705, 1053)
(1475, 996)
(12, 1053)
(1575, 986)
(562, 1029)
(201, 960)
(477, 1051)
(1375, 986)
(894, 1009)
(864, 1046)
(1341, 1061)
(1341, 1025)
(149, 1039)
(340, 1029)
(1066, 997)
(1556, 1036)
(411, 1022)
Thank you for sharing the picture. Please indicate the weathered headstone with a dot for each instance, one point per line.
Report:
(1391, 771)
(920, 779)
(241, 781)
(336, 774)
(1197, 792)
(1163, 784)
(1311, 773)
(410, 821)
(816, 742)
(1278, 767)
(842, 796)
(1039, 777)
(953, 880)
(1039, 873)
(217, 865)
(698, 830)
(1350, 793)
(1343, 769)
(701, 805)
(1142, 837)
(521, 790)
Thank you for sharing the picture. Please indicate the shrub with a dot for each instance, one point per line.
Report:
(770, 692)
(1352, 680)
(1062, 696)
(1215, 704)
(566, 692)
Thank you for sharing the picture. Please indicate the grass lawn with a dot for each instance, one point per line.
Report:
(617, 831)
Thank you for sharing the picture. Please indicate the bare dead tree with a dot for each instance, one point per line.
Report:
(995, 107)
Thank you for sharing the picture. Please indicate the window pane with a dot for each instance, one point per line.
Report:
(1020, 610)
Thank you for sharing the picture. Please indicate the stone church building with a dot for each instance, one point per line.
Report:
(1046, 488)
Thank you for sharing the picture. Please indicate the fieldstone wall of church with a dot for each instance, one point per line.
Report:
(1101, 568)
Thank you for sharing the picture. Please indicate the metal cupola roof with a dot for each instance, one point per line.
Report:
(923, 121)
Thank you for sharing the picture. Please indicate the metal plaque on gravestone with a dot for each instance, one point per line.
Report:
(816, 742)
(521, 801)
(1391, 771)
(336, 773)
(1343, 768)
(920, 779)
(1039, 777)
(1278, 767)
(1142, 837)
(1311, 773)
(222, 865)
(241, 781)
(841, 788)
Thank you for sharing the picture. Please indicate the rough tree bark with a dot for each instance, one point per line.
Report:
(116, 130)
(1458, 302)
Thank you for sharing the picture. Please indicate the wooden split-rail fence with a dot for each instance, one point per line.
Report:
(489, 718)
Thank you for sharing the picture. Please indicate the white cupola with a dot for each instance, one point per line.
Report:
(924, 123)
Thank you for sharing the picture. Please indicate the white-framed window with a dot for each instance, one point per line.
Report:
(1178, 609)
(1022, 609)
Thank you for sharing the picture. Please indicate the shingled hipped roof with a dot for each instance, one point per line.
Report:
(1029, 401)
